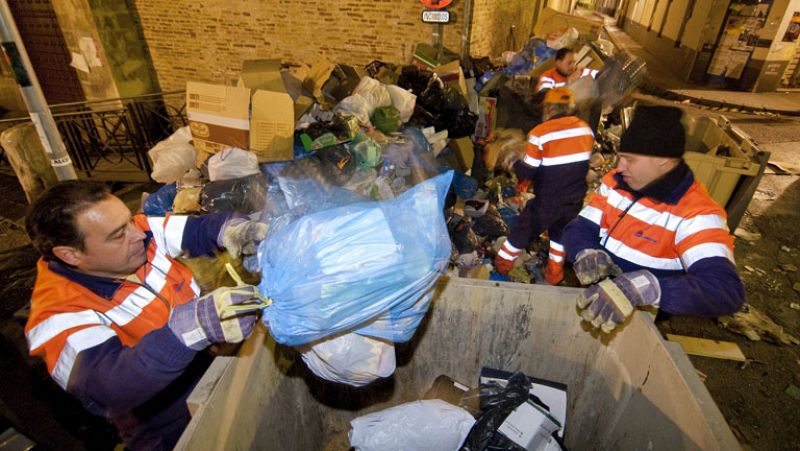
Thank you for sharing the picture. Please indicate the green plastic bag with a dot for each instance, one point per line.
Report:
(386, 119)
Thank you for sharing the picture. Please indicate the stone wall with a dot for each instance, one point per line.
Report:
(500, 26)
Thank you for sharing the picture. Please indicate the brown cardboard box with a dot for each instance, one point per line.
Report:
(551, 20)
(257, 114)
(218, 116)
(330, 83)
(464, 151)
(272, 111)
(455, 393)
(452, 74)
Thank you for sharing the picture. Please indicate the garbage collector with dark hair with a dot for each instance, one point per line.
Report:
(556, 158)
(118, 320)
(651, 235)
(564, 72)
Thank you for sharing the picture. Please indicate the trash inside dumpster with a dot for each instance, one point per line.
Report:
(633, 391)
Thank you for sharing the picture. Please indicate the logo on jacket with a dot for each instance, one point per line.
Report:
(641, 234)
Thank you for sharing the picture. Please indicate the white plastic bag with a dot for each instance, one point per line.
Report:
(431, 424)
(173, 156)
(357, 106)
(232, 163)
(374, 93)
(403, 100)
(562, 39)
(350, 359)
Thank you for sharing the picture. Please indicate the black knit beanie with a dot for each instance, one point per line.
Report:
(656, 131)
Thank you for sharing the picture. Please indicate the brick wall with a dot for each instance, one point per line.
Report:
(492, 23)
(207, 40)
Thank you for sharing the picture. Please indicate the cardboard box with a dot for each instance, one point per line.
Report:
(452, 74)
(553, 394)
(219, 116)
(464, 151)
(529, 426)
(551, 20)
(258, 114)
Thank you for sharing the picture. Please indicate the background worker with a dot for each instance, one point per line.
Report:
(556, 158)
(564, 72)
(118, 321)
(654, 229)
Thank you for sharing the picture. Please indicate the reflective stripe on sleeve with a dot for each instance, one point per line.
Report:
(530, 161)
(566, 159)
(638, 257)
(77, 342)
(705, 250)
(168, 232)
(592, 213)
(61, 322)
(699, 223)
(563, 134)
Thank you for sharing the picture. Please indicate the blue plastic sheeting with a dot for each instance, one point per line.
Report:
(160, 202)
(365, 266)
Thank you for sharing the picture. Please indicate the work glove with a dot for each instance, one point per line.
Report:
(241, 236)
(608, 303)
(204, 321)
(593, 265)
(503, 265)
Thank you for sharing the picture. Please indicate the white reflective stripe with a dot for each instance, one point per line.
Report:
(556, 258)
(603, 190)
(564, 134)
(558, 247)
(502, 253)
(241, 124)
(638, 257)
(559, 84)
(603, 232)
(698, 224)
(171, 236)
(174, 234)
(566, 159)
(547, 80)
(645, 214)
(77, 342)
(509, 247)
(587, 71)
(705, 250)
(530, 161)
(592, 213)
(195, 287)
(533, 139)
(61, 322)
(140, 298)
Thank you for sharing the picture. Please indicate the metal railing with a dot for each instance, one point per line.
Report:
(109, 139)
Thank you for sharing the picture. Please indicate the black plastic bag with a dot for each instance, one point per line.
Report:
(490, 225)
(245, 195)
(496, 404)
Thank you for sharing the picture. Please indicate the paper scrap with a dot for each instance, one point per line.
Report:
(89, 51)
(79, 62)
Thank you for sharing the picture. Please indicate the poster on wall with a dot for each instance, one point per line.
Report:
(793, 30)
(739, 38)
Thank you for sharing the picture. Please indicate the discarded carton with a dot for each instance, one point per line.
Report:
(452, 74)
(464, 151)
(487, 118)
(551, 20)
(258, 114)
(218, 116)
(454, 392)
(427, 56)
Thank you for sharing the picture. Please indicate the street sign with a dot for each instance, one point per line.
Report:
(436, 16)
(436, 4)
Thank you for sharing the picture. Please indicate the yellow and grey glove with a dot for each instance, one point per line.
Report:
(205, 320)
(594, 265)
(606, 305)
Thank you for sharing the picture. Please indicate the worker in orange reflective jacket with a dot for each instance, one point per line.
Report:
(564, 72)
(651, 235)
(556, 159)
(118, 320)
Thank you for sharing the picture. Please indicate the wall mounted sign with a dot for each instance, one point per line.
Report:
(438, 16)
(436, 4)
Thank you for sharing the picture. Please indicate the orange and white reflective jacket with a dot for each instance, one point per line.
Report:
(682, 238)
(551, 78)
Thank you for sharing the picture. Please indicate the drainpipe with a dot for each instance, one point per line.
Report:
(38, 110)
(466, 34)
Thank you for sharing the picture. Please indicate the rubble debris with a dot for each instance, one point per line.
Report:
(747, 235)
(793, 391)
(756, 325)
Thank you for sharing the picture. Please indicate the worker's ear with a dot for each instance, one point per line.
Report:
(68, 254)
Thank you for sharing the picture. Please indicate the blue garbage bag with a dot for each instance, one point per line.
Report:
(160, 202)
(367, 267)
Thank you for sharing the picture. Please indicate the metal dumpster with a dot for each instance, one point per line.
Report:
(631, 390)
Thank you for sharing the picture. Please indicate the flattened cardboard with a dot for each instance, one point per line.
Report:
(218, 116)
(272, 111)
(464, 150)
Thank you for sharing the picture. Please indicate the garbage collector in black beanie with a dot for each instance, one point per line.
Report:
(651, 236)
